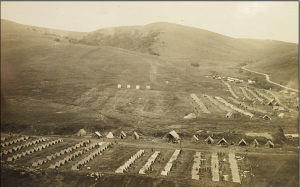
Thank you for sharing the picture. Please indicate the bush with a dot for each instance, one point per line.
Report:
(195, 64)
(57, 39)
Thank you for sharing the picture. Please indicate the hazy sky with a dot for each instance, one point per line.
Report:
(257, 20)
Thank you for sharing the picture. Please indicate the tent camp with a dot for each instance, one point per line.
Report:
(242, 143)
(122, 135)
(135, 135)
(81, 132)
(110, 135)
(222, 142)
(173, 136)
(209, 140)
(254, 143)
(190, 116)
(269, 144)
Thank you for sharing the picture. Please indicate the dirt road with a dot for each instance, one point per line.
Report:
(268, 79)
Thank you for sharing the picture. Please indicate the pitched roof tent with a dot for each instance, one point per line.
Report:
(222, 141)
(254, 143)
(209, 140)
(122, 135)
(242, 142)
(110, 135)
(136, 136)
(269, 144)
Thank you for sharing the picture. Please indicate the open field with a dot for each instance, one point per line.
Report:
(52, 88)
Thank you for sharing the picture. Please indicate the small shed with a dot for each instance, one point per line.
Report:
(128, 86)
(137, 87)
(119, 86)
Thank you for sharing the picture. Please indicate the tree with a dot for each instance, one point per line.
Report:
(278, 134)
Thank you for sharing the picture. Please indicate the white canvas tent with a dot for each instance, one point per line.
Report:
(97, 134)
(190, 116)
(242, 143)
(222, 142)
(122, 135)
(281, 115)
(254, 143)
(195, 138)
(209, 140)
(136, 136)
(269, 144)
(81, 132)
(110, 135)
(173, 136)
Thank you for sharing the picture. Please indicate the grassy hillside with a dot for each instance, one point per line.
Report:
(53, 86)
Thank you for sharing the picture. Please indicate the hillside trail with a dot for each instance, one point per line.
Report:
(153, 71)
(268, 79)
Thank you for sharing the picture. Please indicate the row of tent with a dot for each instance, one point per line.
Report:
(234, 107)
(169, 165)
(230, 89)
(254, 95)
(28, 144)
(30, 151)
(245, 93)
(122, 135)
(234, 168)
(242, 142)
(150, 161)
(200, 104)
(103, 147)
(215, 102)
(136, 87)
(130, 162)
(196, 166)
(245, 106)
(14, 141)
(57, 154)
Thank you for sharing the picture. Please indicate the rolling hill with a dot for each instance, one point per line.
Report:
(56, 82)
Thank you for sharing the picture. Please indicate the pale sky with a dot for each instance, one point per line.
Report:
(277, 20)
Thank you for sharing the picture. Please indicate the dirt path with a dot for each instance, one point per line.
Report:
(268, 79)
(153, 70)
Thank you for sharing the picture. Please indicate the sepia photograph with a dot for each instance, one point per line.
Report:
(149, 93)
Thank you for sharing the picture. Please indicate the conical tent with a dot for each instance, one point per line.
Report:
(242, 143)
(110, 135)
(81, 132)
(209, 140)
(254, 143)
